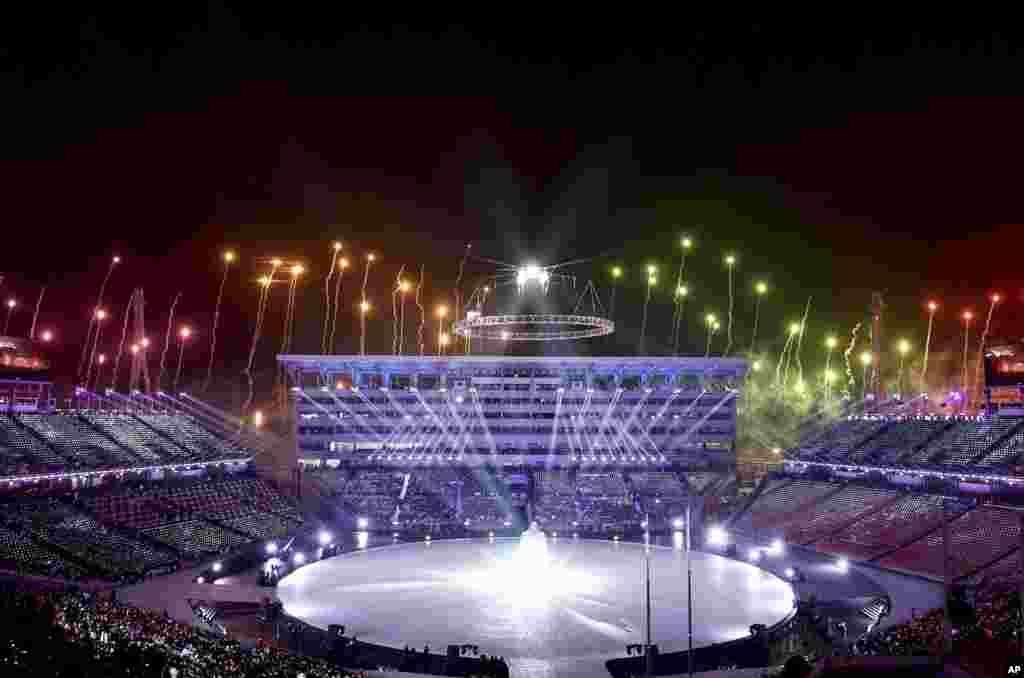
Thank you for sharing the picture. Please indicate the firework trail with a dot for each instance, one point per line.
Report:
(362, 311)
(92, 356)
(181, 356)
(851, 380)
(228, 257)
(782, 360)
(327, 297)
(927, 347)
(984, 338)
(124, 337)
(394, 310)
(800, 342)
(35, 316)
(458, 285)
(289, 313)
(728, 326)
(342, 265)
(92, 318)
(167, 343)
(678, 306)
(260, 311)
(423, 312)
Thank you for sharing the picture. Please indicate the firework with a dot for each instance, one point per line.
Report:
(228, 258)
(120, 345)
(682, 291)
(711, 323)
(458, 283)
(342, 265)
(730, 263)
(442, 312)
(968, 316)
(423, 312)
(652, 280)
(686, 244)
(800, 341)
(35, 316)
(395, 293)
(851, 380)
(760, 289)
(903, 347)
(183, 335)
(830, 344)
(335, 250)
(261, 306)
(101, 315)
(995, 299)
(932, 307)
(11, 305)
(364, 306)
(92, 317)
(167, 343)
(403, 289)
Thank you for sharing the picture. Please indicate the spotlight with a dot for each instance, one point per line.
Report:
(677, 523)
(217, 566)
(272, 548)
(362, 523)
(324, 537)
(299, 558)
(717, 536)
(200, 580)
(777, 548)
(790, 573)
(843, 565)
(755, 555)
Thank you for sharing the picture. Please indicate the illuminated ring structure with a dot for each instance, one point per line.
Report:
(543, 327)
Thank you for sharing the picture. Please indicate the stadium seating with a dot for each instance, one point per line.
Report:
(148, 445)
(779, 502)
(890, 527)
(199, 442)
(902, 437)
(64, 433)
(979, 537)
(604, 502)
(556, 500)
(18, 552)
(19, 446)
(975, 440)
(835, 512)
(195, 537)
(1006, 452)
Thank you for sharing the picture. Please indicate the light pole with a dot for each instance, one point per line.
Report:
(442, 311)
(903, 348)
(760, 289)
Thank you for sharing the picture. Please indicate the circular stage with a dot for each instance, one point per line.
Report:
(560, 599)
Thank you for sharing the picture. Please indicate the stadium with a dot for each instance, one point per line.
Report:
(494, 514)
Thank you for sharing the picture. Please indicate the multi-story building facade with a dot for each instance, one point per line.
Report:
(512, 411)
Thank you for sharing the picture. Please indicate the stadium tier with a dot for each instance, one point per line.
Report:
(77, 442)
(511, 411)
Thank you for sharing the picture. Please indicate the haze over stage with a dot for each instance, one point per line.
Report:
(585, 604)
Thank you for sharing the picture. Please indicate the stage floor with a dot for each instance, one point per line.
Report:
(582, 599)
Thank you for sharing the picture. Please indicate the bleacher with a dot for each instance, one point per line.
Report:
(604, 501)
(372, 494)
(196, 537)
(973, 441)
(900, 438)
(556, 500)
(779, 502)
(79, 534)
(18, 446)
(836, 441)
(978, 538)
(890, 527)
(199, 442)
(148, 445)
(486, 500)
(77, 438)
(835, 512)
(1006, 452)
(19, 553)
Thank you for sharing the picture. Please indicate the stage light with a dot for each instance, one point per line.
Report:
(761, 288)
(686, 243)
(47, 335)
(790, 573)
(362, 523)
(843, 565)
(777, 547)
(324, 537)
(117, 260)
(755, 555)
(677, 523)
(200, 580)
(217, 566)
(717, 536)
(272, 548)
(299, 558)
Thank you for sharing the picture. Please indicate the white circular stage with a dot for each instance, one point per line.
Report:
(532, 601)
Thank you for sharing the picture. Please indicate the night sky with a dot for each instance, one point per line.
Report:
(832, 163)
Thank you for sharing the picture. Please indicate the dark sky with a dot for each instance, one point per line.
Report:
(833, 162)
